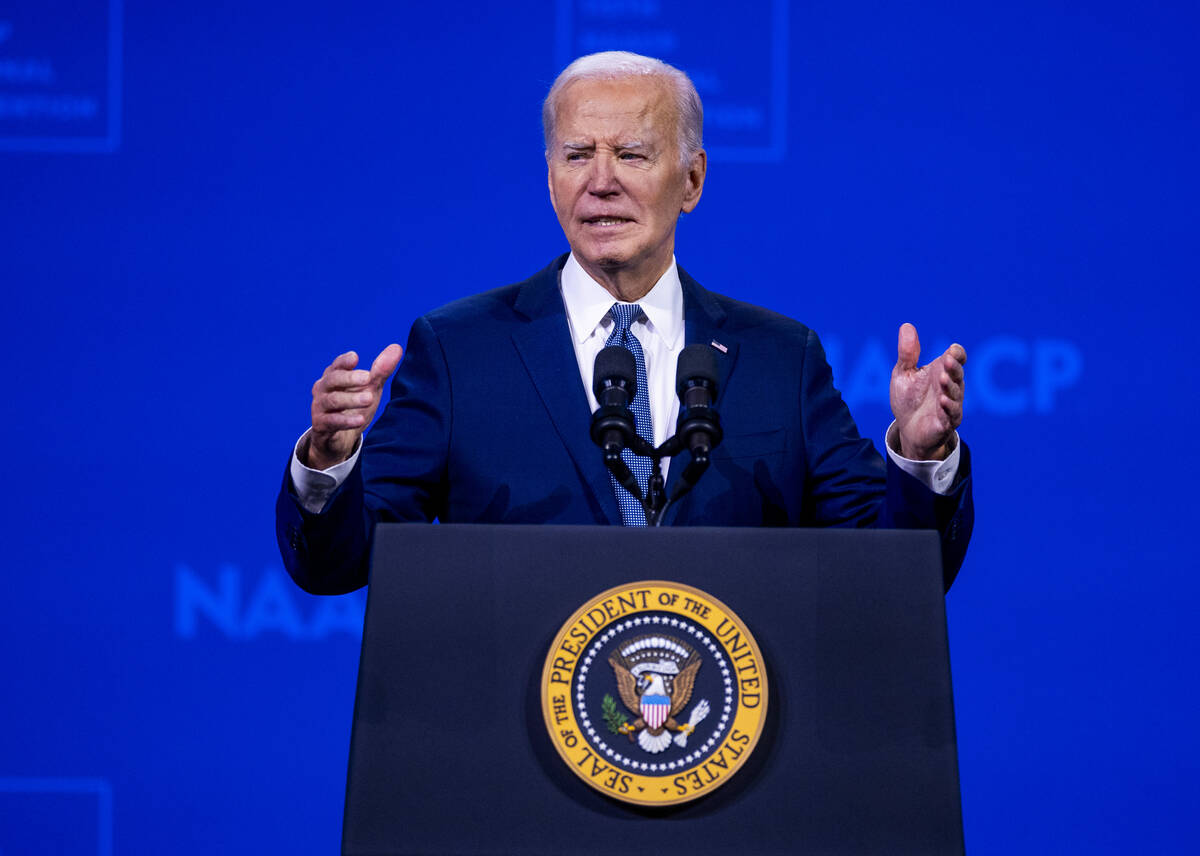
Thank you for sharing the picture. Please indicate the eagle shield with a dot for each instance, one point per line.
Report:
(655, 710)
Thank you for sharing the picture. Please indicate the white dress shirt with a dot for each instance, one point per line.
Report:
(660, 331)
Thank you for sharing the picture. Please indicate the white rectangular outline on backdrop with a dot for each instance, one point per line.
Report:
(99, 788)
(112, 138)
(776, 149)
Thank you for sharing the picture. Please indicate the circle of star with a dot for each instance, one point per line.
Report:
(664, 624)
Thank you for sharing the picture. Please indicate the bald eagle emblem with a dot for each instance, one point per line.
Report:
(655, 675)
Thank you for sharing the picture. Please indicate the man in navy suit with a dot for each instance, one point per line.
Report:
(489, 412)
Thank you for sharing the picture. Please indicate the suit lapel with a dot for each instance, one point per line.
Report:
(545, 348)
(704, 320)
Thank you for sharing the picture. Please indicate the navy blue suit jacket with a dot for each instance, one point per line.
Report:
(488, 422)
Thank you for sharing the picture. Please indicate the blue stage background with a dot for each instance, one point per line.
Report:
(202, 203)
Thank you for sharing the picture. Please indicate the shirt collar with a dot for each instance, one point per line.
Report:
(587, 303)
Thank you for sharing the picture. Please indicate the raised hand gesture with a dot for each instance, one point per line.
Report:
(926, 400)
(344, 402)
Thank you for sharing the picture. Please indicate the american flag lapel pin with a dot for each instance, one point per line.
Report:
(719, 346)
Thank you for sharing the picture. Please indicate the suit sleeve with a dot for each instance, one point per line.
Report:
(400, 476)
(849, 483)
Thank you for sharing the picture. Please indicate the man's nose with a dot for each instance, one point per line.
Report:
(602, 181)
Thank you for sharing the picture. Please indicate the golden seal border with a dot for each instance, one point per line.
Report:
(593, 618)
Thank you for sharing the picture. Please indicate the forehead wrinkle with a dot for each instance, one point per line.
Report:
(602, 109)
(635, 110)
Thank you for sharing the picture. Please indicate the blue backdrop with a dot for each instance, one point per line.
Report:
(202, 202)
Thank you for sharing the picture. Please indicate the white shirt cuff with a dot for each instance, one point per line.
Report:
(938, 476)
(314, 487)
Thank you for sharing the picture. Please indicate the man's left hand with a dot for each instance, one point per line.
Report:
(926, 400)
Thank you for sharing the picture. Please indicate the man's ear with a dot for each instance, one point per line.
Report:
(694, 181)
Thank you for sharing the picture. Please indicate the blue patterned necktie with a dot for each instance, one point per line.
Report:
(632, 514)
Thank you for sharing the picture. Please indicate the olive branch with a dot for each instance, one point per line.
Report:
(613, 717)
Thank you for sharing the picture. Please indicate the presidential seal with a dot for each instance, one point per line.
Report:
(654, 693)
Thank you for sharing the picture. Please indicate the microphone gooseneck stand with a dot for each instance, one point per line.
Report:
(698, 429)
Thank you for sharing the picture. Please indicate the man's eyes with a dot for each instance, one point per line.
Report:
(576, 157)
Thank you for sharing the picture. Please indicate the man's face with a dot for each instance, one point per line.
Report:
(616, 181)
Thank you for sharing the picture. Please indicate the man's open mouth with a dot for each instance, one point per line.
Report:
(606, 221)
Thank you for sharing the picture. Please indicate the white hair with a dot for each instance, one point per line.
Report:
(613, 65)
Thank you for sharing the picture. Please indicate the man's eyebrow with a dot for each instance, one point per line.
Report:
(587, 147)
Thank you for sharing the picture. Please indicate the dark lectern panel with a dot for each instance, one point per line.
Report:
(450, 754)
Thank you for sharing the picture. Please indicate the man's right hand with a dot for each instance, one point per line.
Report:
(344, 402)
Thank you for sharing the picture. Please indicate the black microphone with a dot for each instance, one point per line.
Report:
(699, 424)
(614, 377)
(614, 381)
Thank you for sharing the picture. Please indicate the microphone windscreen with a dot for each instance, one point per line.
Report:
(696, 363)
(615, 363)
